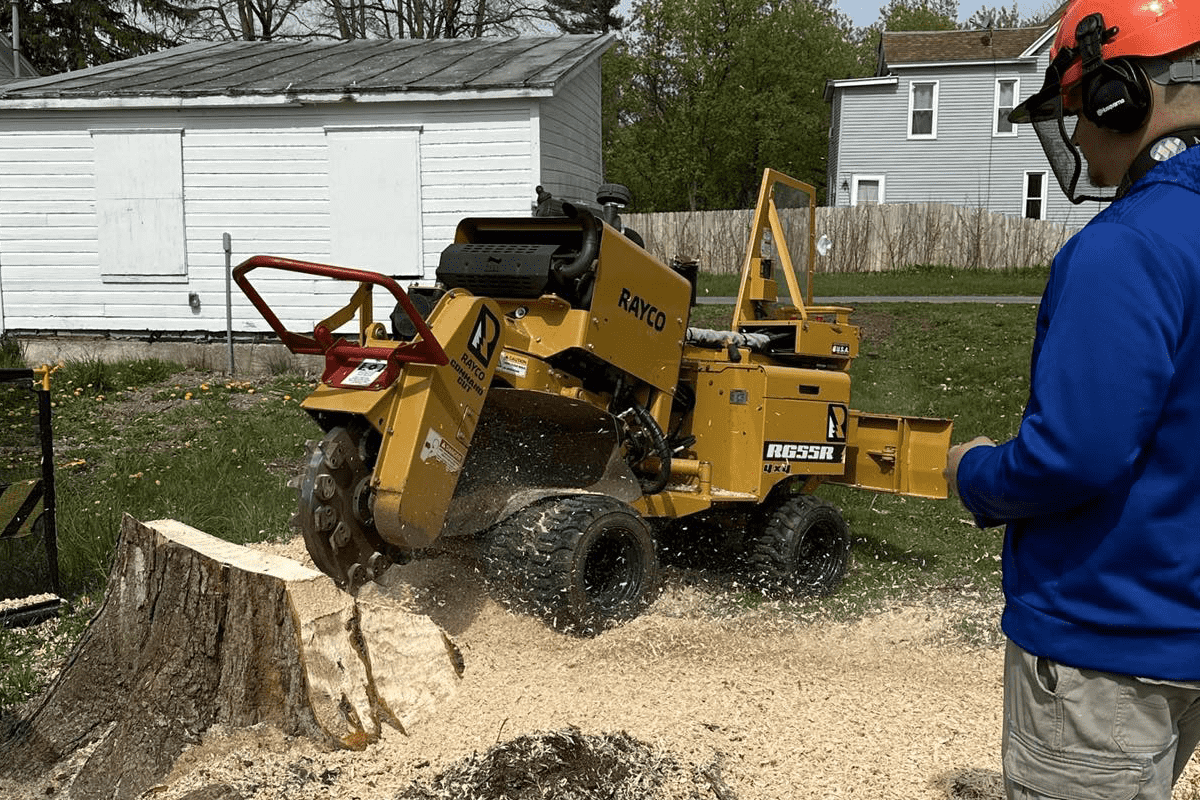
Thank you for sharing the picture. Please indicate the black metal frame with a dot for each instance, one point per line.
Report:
(44, 487)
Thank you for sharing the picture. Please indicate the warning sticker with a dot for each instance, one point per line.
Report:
(439, 448)
(365, 373)
(513, 365)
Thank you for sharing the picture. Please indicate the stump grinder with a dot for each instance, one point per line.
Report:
(545, 406)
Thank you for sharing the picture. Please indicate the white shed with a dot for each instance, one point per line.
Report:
(118, 183)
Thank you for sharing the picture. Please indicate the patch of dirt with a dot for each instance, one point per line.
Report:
(874, 326)
(182, 389)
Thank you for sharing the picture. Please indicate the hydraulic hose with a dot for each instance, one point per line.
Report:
(590, 247)
(662, 450)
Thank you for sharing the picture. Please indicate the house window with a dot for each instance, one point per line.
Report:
(922, 110)
(1007, 90)
(867, 190)
(1035, 195)
(139, 205)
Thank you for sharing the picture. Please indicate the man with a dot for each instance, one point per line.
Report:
(1100, 489)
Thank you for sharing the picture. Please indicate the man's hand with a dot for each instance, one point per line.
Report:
(955, 455)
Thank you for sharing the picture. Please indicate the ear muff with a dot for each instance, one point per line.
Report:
(1116, 96)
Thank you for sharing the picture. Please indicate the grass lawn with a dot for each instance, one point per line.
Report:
(915, 281)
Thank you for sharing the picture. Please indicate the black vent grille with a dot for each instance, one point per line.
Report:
(497, 270)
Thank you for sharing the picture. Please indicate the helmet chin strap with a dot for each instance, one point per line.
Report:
(1164, 147)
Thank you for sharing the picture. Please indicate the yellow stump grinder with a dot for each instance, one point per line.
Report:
(545, 406)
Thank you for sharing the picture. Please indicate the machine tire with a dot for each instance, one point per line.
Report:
(584, 563)
(801, 549)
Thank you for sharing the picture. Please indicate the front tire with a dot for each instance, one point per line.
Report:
(802, 549)
(584, 563)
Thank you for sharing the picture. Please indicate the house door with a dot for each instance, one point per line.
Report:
(375, 198)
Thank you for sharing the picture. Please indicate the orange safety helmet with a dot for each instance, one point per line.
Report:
(1110, 51)
(1139, 29)
(1096, 39)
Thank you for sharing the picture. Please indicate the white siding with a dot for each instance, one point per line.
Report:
(571, 162)
(262, 175)
(965, 164)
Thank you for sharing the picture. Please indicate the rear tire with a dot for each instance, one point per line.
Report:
(584, 563)
(802, 549)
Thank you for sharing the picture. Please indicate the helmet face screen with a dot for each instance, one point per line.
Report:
(1055, 130)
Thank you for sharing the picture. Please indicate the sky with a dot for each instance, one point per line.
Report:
(866, 12)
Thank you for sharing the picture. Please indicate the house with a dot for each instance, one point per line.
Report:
(931, 126)
(118, 183)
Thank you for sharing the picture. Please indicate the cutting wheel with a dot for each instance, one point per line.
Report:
(335, 514)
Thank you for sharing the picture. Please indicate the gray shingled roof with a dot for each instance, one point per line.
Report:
(923, 47)
(6, 64)
(362, 67)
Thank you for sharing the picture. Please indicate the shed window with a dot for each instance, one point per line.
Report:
(1035, 195)
(139, 205)
(1007, 90)
(922, 105)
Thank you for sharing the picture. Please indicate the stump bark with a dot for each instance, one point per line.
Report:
(195, 631)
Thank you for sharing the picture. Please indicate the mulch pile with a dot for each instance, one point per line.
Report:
(570, 765)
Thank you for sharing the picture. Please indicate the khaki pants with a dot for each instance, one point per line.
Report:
(1075, 734)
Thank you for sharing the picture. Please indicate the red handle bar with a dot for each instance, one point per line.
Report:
(424, 349)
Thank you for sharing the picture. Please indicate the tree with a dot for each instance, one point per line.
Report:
(248, 20)
(920, 15)
(585, 16)
(709, 92)
(988, 17)
(61, 36)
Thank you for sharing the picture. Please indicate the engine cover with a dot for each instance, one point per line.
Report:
(497, 270)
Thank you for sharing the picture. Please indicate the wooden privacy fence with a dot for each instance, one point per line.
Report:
(865, 238)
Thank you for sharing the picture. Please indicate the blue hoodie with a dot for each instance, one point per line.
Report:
(1100, 489)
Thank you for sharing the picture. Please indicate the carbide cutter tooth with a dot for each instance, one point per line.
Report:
(324, 518)
(379, 563)
(325, 486)
(340, 536)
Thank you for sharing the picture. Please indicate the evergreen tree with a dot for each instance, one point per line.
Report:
(585, 16)
(61, 35)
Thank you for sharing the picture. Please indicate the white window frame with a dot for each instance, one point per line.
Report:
(996, 107)
(857, 179)
(1025, 196)
(140, 228)
(912, 94)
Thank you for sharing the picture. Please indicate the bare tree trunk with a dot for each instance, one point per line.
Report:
(195, 631)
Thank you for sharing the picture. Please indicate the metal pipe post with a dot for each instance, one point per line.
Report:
(227, 242)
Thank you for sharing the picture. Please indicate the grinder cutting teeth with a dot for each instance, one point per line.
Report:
(335, 516)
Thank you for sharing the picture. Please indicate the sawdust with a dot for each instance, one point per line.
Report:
(688, 701)
(703, 703)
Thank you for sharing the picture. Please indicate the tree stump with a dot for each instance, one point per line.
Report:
(195, 631)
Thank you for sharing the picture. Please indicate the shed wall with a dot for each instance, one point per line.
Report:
(260, 174)
(570, 159)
